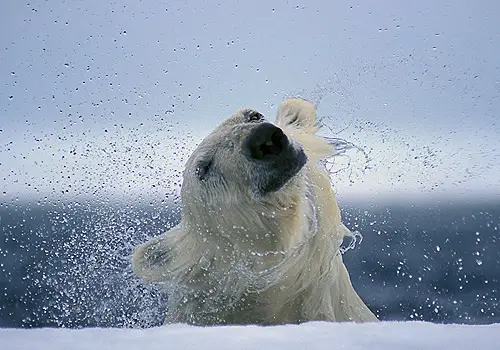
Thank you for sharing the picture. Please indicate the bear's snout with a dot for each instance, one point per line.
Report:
(266, 141)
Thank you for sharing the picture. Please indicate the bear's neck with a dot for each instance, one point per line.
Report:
(276, 228)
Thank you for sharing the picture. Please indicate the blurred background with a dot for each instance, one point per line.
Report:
(102, 103)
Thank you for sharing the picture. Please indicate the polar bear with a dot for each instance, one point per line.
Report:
(260, 230)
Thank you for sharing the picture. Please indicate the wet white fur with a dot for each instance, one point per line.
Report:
(237, 258)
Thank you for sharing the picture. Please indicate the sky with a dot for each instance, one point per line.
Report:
(108, 99)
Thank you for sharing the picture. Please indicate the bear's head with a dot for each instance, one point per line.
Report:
(248, 173)
(245, 159)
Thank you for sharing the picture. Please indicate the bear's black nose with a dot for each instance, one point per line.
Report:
(266, 141)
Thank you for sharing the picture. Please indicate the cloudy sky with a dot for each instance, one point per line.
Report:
(109, 98)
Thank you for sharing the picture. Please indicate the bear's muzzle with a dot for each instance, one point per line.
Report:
(275, 158)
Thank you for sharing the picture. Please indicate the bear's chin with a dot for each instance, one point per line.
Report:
(278, 172)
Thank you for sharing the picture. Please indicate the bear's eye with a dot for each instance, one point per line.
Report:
(254, 116)
(202, 170)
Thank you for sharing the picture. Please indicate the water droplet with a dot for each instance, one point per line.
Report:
(11, 97)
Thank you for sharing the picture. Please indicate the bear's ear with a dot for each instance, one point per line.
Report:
(150, 260)
(297, 113)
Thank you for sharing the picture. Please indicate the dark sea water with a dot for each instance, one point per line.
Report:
(68, 264)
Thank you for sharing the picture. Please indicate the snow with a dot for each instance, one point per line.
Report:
(312, 335)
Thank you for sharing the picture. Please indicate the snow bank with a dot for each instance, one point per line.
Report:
(313, 335)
